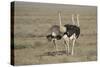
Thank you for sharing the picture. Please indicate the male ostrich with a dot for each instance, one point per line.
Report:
(71, 34)
(68, 32)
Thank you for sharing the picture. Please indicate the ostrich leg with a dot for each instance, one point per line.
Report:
(55, 45)
(72, 52)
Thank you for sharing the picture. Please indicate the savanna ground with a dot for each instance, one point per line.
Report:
(32, 22)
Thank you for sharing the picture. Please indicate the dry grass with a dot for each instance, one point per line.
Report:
(32, 23)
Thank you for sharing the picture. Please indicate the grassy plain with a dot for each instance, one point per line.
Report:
(31, 24)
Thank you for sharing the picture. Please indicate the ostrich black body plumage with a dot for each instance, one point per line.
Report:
(72, 29)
